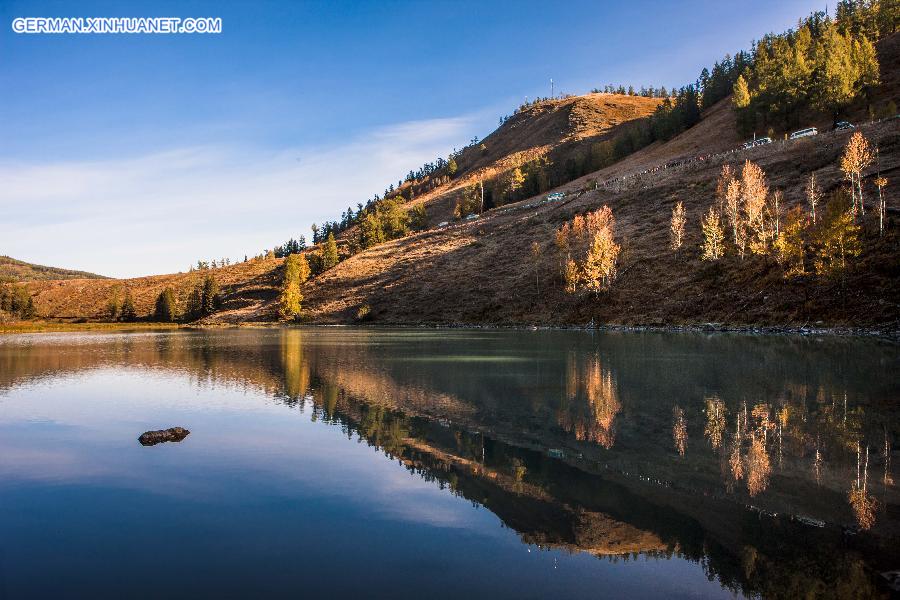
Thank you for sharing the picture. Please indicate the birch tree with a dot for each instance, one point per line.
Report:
(713, 235)
(881, 183)
(676, 227)
(857, 158)
(754, 194)
(813, 196)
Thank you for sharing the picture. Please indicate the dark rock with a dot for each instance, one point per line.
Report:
(173, 434)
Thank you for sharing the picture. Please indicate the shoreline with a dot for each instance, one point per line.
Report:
(889, 332)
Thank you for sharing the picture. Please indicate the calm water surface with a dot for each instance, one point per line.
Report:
(404, 463)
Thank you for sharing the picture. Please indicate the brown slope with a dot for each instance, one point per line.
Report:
(554, 129)
(248, 288)
(19, 270)
(480, 272)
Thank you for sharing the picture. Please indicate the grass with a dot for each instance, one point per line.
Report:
(59, 326)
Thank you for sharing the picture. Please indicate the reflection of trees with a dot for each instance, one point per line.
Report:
(679, 430)
(591, 402)
(862, 504)
(758, 467)
(755, 465)
(715, 421)
(296, 370)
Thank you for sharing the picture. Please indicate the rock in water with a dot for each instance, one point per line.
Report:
(172, 434)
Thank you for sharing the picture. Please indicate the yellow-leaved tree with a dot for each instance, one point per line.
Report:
(713, 236)
(296, 272)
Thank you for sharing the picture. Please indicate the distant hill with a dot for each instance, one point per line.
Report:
(19, 270)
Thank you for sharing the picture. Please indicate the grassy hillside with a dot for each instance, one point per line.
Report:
(555, 131)
(17, 270)
(482, 271)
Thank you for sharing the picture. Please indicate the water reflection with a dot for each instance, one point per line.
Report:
(568, 438)
(590, 405)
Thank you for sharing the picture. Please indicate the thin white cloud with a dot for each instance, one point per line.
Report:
(160, 212)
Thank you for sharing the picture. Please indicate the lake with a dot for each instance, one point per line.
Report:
(404, 463)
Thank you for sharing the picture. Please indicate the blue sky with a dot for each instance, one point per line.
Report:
(138, 154)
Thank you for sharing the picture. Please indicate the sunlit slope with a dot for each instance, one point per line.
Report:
(19, 270)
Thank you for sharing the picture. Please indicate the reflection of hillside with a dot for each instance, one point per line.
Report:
(352, 369)
(480, 413)
(552, 504)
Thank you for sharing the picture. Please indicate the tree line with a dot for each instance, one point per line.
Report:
(16, 300)
(204, 299)
(821, 66)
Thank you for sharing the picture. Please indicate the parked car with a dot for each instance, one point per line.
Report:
(844, 126)
(555, 196)
(748, 144)
(763, 141)
(809, 131)
(443, 223)
(471, 217)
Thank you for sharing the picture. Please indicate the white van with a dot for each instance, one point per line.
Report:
(804, 133)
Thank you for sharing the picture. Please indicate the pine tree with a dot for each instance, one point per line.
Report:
(165, 306)
(211, 299)
(194, 308)
(128, 313)
(741, 92)
(837, 239)
(790, 245)
(329, 253)
(114, 304)
(514, 183)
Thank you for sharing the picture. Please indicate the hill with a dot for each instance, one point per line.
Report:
(483, 270)
(560, 135)
(17, 270)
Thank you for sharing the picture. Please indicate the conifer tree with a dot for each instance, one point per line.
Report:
(741, 92)
(838, 238)
(165, 306)
(128, 313)
(114, 304)
(514, 183)
(790, 245)
(194, 308)
(211, 299)
(329, 253)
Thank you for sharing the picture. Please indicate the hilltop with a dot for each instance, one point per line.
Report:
(18, 270)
